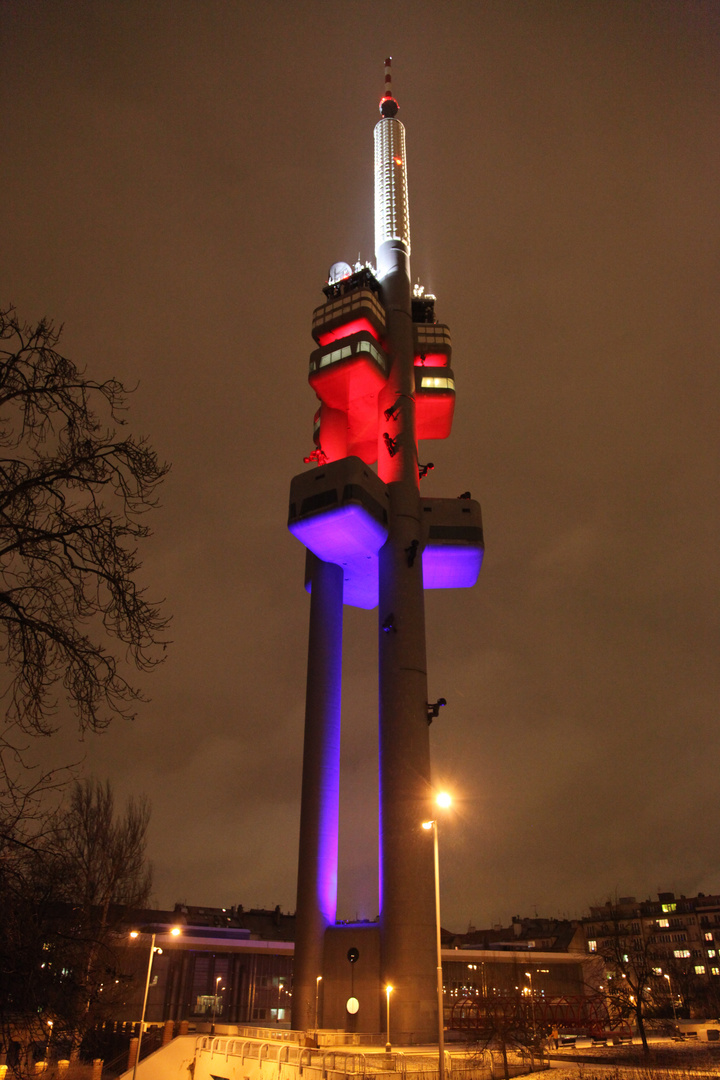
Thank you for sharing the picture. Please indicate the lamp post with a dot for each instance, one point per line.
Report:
(134, 934)
(528, 976)
(443, 800)
(388, 992)
(218, 980)
(317, 996)
(672, 997)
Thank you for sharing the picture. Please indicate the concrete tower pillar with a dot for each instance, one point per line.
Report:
(318, 850)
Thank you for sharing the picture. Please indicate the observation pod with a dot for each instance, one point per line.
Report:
(454, 544)
(434, 402)
(434, 379)
(352, 306)
(433, 346)
(347, 375)
(350, 368)
(340, 513)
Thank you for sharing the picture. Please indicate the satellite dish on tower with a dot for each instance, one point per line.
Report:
(338, 272)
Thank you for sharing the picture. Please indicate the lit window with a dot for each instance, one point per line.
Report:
(711, 952)
(379, 359)
(657, 971)
(436, 383)
(663, 922)
(699, 969)
(715, 971)
(592, 946)
(681, 954)
(708, 937)
(669, 907)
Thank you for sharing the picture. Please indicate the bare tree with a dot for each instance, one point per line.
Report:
(101, 857)
(507, 1022)
(62, 900)
(631, 963)
(73, 496)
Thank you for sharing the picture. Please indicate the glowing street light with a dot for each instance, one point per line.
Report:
(317, 995)
(135, 934)
(528, 976)
(443, 800)
(388, 992)
(218, 980)
(672, 997)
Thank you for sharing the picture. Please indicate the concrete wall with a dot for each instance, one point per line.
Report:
(341, 978)
(171, 1062)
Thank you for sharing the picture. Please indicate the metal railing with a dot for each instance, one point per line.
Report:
(295, 1062)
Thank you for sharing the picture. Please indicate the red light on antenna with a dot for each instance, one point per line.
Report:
(398, 161)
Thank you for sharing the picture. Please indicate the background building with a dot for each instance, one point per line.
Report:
(236, 967)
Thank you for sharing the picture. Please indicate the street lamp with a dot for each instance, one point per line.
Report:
(388, 992)
(134, 934)
(672, 997)
(443, 800)
(218, 980)
(528, 976)
(318, 980)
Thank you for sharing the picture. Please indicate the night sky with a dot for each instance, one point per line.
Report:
(177, 178)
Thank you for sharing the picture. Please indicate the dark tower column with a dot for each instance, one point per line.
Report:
(407, 913)
(318, 855)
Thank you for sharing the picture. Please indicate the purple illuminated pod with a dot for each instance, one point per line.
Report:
(381, 373)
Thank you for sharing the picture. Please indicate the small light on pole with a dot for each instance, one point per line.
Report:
(443, 800)
(218, 980)
(528, 976)
(318, 980)
(135, 934)
(672, 997)
(388, 992)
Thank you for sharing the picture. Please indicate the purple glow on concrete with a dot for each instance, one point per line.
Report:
(341, 535)
(449, 566)
(445, 566)
(327, 850)
(360, 582)
(347, 534)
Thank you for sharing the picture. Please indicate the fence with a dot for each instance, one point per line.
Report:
(292, 1062)
(60, 1070)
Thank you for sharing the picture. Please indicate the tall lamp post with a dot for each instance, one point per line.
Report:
(528, 976)
(218, 980)
(135, 934)
(443, 800)
(318, 980)
(388, 992)
(672, 997)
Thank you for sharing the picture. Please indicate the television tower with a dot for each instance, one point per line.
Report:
(381, 372)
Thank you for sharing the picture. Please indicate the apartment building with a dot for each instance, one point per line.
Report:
(681, 933)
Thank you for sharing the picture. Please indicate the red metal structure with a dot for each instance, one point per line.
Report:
(577, 1014)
